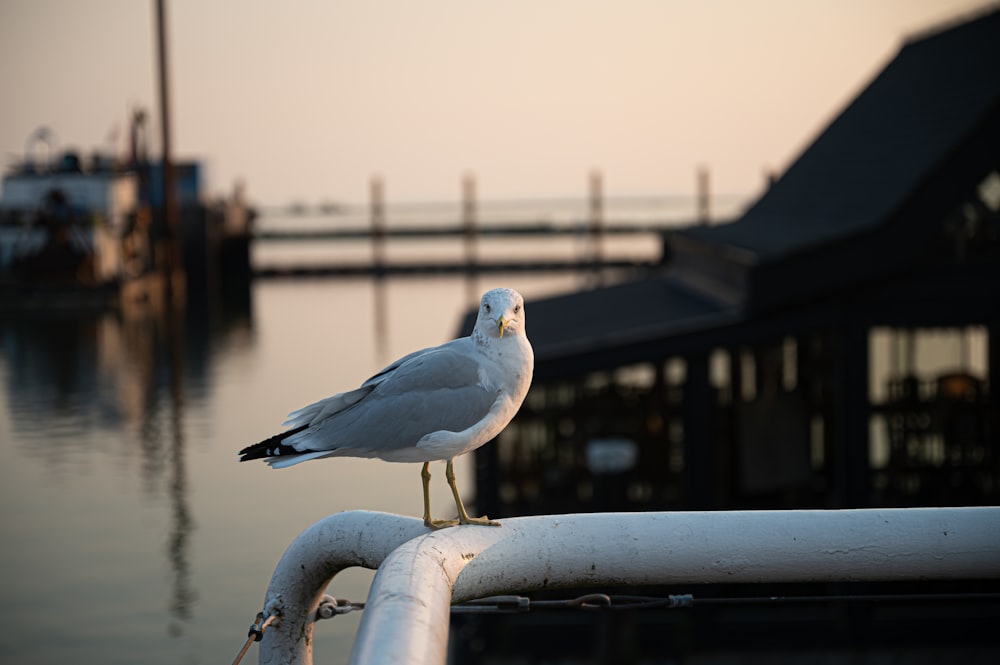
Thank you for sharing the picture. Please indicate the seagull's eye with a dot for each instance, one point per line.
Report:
(488, 308)
(517, 309)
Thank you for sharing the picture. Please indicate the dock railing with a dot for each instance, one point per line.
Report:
(562, 234)
(421, 573)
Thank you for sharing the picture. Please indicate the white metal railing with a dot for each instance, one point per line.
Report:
(421, 573)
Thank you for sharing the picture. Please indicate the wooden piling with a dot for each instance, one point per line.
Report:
(377, 215)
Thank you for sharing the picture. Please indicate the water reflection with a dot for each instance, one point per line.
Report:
(473, 290)
(119, 432)
(181, 527)
(181, 524)
(381, 322)
(120, 379)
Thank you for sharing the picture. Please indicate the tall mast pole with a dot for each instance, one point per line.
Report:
(173, 261)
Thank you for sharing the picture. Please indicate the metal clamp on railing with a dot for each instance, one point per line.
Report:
(330, 607)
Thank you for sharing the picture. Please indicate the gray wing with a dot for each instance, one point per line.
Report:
(318, 411)
(428, 392)
(381, 375)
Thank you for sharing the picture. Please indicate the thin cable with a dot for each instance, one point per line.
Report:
(255, 634)
(594, 602)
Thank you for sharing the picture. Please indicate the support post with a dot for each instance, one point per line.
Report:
(469, 222)
(699, 435)
(852, 464)
(469, 219)
(596, 221)
(704, 196)
(993, 377)
(376, 193)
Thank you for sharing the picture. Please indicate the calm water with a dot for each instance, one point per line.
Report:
(129, 532)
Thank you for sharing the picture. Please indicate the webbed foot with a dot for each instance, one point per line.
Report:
(481, 521)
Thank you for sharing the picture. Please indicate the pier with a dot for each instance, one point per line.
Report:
(559, 235)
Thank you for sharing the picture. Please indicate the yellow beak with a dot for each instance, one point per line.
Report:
(502, 324)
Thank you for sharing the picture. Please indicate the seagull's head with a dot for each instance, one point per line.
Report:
(501, 312)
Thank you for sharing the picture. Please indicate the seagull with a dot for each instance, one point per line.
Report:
(433, 404)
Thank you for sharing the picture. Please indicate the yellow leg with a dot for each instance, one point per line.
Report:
(425, 476)
(463, 516)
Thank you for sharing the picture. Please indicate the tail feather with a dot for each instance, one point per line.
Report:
(291, 460)
(271, 447)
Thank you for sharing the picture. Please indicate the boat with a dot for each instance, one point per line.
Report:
(70, 233)
(93, 233)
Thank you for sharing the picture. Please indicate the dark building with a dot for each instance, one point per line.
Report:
(833, 347)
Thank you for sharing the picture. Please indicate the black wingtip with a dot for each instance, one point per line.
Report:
(270, 447)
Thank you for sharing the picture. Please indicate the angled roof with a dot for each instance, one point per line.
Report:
(884, 146)
(850, 211)
(596, 321)
(877, 182)
(608, 317)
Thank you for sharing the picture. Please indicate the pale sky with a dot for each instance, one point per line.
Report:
(306, 100)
